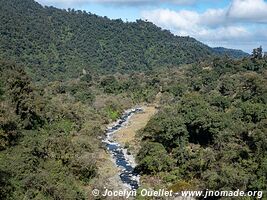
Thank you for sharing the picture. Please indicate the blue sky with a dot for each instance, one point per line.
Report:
(239, 24)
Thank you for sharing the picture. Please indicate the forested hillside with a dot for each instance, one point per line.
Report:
(50, 146)
(210, 132)
(233, 53)
(55, 44)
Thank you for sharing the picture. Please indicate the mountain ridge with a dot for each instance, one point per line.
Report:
(55, 43)
(233, 53)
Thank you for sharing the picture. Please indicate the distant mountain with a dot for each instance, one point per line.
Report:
(59, 44)
(233, 53)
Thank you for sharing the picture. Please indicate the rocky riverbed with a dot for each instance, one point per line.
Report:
(124, 161)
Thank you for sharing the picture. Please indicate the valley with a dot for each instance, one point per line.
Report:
(90, 104)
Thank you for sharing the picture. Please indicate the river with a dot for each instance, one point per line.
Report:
(124, 161)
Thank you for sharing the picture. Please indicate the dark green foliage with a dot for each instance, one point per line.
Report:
(215, 130)
(220, 102)
(87, 78)
(1, 90)
(37, 149)
(5, 185)
(85, 96)
(36, 176)
(24, 97)
(55, 44)
(233, 53)
(9, 132)
(253, 112)
(168, 131)
(110, 85)
(28, 105)
(154, 158)
(85, 168)
(254, 88)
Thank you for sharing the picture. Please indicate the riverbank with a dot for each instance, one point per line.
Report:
(127, 135)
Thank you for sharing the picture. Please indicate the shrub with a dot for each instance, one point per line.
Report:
(153, 158)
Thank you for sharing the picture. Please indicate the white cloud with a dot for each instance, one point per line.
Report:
(248, 10)
(185, 19)
(236, 23)
(171, 19)
(213, 17)
(227, 33)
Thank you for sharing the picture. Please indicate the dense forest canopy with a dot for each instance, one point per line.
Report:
(55, 43)
(210, 131)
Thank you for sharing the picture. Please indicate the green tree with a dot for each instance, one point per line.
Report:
(153, 158)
